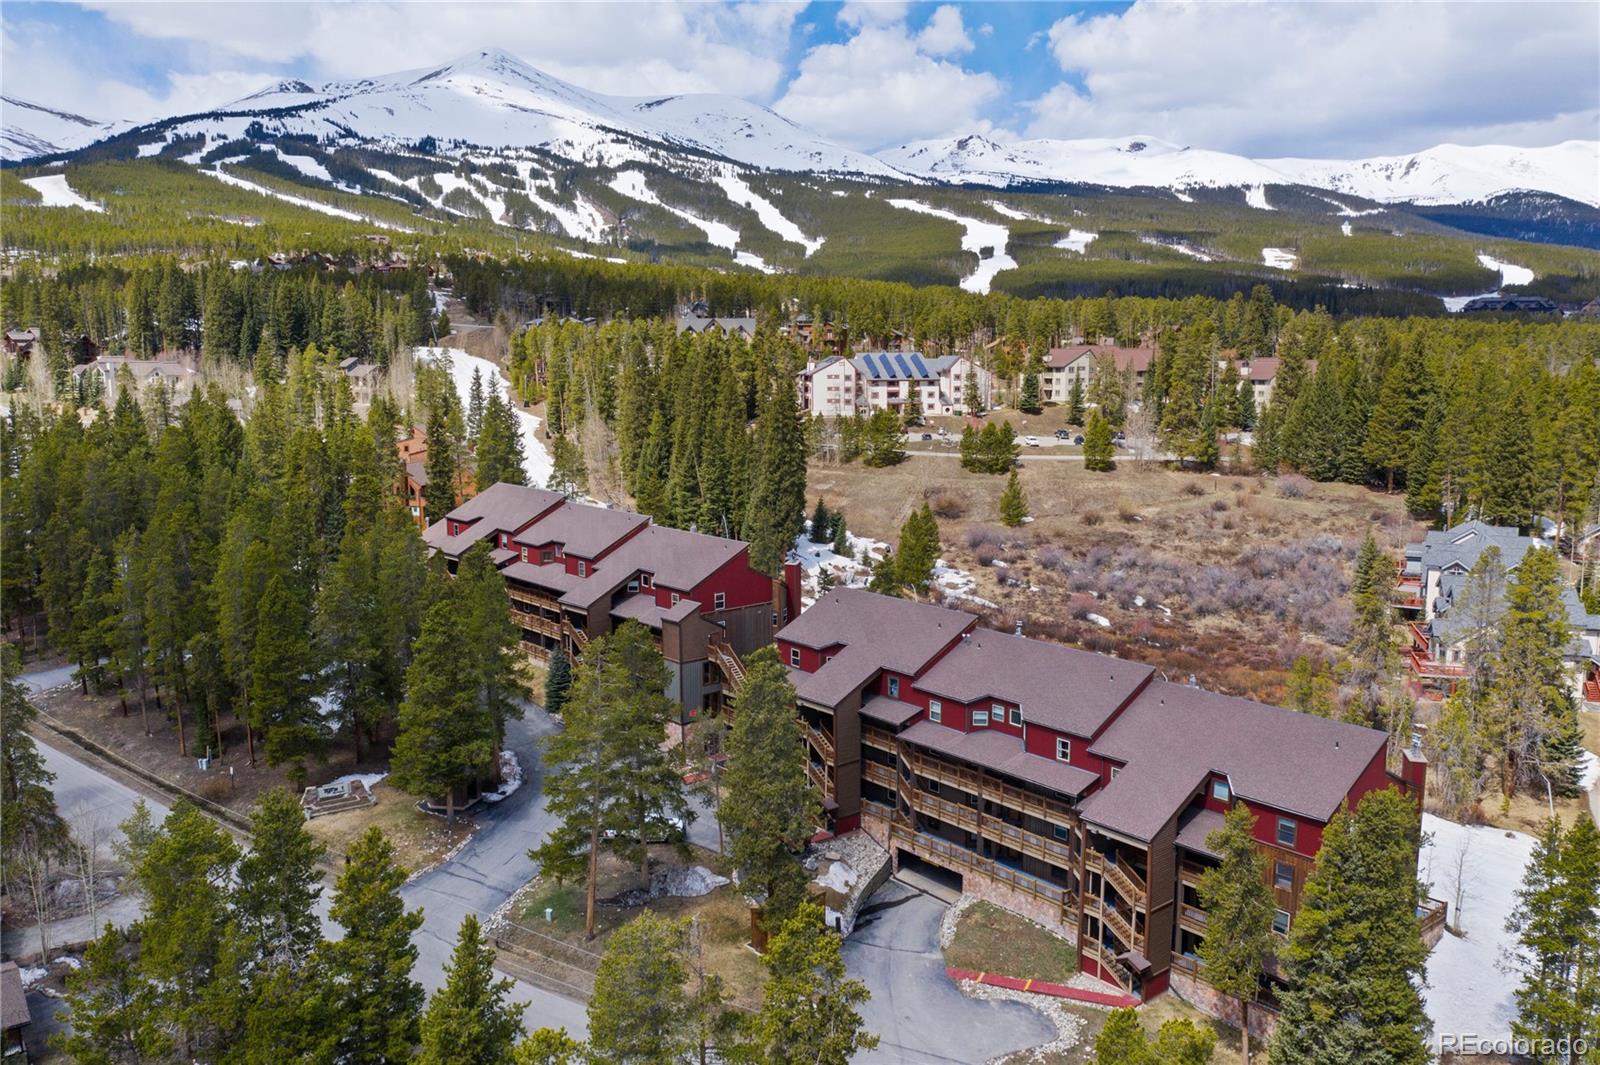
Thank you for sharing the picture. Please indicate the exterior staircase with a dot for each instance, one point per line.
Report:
(732, 666)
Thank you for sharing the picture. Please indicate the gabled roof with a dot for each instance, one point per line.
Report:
(13, 999)
(872, 632)
(1137, 359)
(582, 530)
(1058, 687)
(901, 366)
(498, 508)
(1174, 736)
(1002, 753)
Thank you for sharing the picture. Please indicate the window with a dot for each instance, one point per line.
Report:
(1283, 875)
(1220, 791)
(935, 710)
(980, 719)
(894, 687)
(547, 556)
(997, 712)
(794, 657)
(719, 601)
(1286, 832)
(644, 580)
(674, 599)
(1115, 770)
(524, 554)
(1016, 716)
(583, 569)
(1063, 750)
(1062, 832)
(633, 586)
(1280, 922)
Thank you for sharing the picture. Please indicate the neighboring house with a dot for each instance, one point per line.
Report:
(366, 380)
(575, 572)
(1510, 305)
(1063, 366)
(1431, 588)
(14, 1015)
(413, 451)
(698, 319)
(177, 378)
(20, 342)
(1262, 375)
(885, 380)
(1073, 787)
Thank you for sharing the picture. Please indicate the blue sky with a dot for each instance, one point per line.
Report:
(1307, 79)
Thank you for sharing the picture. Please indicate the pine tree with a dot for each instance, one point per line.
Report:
(372, 1004)
(775, 513)
(821, 524)
(647, 780)
(770, 808)
(639, 1012)
(1423, 490)
(881, 442)
(28, 815)
(489, 639)
(1533, 705)
(918, 550)
(1372, 655)
(112, 1007)
(1556, 922)
(500, 454)
(469, 1021)
(1122, 1040)
(439, 494)
(549, 1046)
(1013, 502)
(885, 575)
(1239, 907)
(1075, 402)
(280, 688)
(810, 1010)
(557, 681)
(1028, 402)
(1354, 962)
(1098, 452)
(275, 895)
(475, 403)
(841, 537)
(1207, 452)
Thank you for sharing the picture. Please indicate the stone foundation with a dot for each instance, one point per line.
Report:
(1225, 1008)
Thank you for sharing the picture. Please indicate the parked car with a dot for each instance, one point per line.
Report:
(927, 436)
(657, 830)
(1062, 434)
(1078, 439)
(1031, 441)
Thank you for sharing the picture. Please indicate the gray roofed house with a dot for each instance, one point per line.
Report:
(14, 1014)
(740, 327)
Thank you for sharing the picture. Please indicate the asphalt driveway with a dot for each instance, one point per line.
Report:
(918, 1013)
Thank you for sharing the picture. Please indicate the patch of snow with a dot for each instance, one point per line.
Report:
(1510, 273)
(308, 166)
(69, 961)
(33, 974)
(54, 191)
(854, 571)
(1345, 228)
(1467, 991)
(1590, 778)
(978, 236)
(839, 877)
(1256, 196)
(1182, 196)
(536, 459)
(510, 778)
(1077, 240)
(1279, 258)
(839, 192)
(153, 148)
(684, 882)
(299, 201)
(754, 261)
(1099, 619)
(1011, 212)
(576, 254)
(1181, 247)
(368, 779)
(742, 194)
(631, 183)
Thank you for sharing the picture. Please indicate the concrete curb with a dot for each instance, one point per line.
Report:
(1043, 987)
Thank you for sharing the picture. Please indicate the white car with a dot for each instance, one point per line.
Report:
(1031, 441)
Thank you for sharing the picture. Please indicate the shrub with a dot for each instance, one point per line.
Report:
(946, 505)
(1053, 559)
(984, 535)
(1219, 505)
(1293, 486)
(1091, 518)
(1127, 513)
(986, 554)
(1192, 488)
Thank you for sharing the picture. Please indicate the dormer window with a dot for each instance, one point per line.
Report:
(894, 687)
(644, 580)
(524, 554)
(583, 568)
(1221, 792)
(980, 719)
(547, 556)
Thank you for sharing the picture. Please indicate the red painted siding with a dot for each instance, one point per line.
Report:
(735, 578)
(1308, 833)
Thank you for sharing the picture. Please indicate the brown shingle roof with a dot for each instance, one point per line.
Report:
(1195, 827)
(1002, 753)
(585, 531)
(876, 631)
(13, 999)
(641, 608)
(1173, 736)
(1138, 359)
(889, 711)
(1058, 687)
(498, 508)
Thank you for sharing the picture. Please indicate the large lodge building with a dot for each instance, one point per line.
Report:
(1073, 787)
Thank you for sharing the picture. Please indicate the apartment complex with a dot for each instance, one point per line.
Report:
(904, 382)
(1064, 366)
(1431, 591)
(574, 572)
(1073, 787)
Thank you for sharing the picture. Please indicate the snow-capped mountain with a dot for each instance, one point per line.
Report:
(28, 129)
(490, 99)
(1446, 174)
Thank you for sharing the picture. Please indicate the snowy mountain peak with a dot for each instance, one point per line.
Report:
(28, 129)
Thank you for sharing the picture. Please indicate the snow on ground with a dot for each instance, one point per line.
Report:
(1510, 273)
(510, 778)
(978, 235)
(582, 220)
(631, 183)
(1279, 258)
(1256, 196)
(1182, 196)
(1345, 228)
(754, 261)
(55, 192)
(576, 254)
(1011, 212)
(1076, 240)
(369, 779)
(742, 194)
(1591, 771)
(1181, 247)
(308, 166)
(1346, 211)
(853, 571)
(33, 974)
(153, 148)
(1099, 619)
(536, 459)
(299, 201)
(1467, 992)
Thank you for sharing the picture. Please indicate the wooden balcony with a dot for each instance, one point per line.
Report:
(880, 774)
(991, 789)
(1054, 851)
(877, 737)
(1190, 873)
(537, 623)
(1432, 913)
(944, 772)
(823, 743)
(1431, 668)
(819, 776)
(950, 855)
(1193, 918)
(953, 813)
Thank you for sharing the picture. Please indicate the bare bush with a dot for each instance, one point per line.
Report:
(1092, 518)
(986, 554)
(1192, 488)
(947, 505)
(1293, 486)
(1127, 513)
(1219, 505)
(1053, 559)
(985, 536)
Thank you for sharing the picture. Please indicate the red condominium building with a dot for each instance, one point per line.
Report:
(1076, 788)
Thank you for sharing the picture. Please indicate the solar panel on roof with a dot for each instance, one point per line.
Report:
(872, 367)
(905, 367)
(922, 369)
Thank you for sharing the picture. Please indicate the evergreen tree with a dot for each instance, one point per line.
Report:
(280, 686)
(469, 1021)
(1239, 907)
(885, 576)
(1354, 962)
(372, 1004)
(841, 538)
(499, 454)
(1533, 708)
(475, 404)
(439, 494)
(113, 1010)
(28, 816)
(918, 550)
(557, 681)
(1207, 452)
(770, 808)
(1098, 451)
(639, 1013)
(777, 500)
(1122, 1040)
(821, 524)
(1075, 402)
(1372, 654)
(1013, 502)
(881, 442)
(1556, 922)
(648, 781)
(810, 1010)
(1028, 402)
(278, 885)
(549, 1046)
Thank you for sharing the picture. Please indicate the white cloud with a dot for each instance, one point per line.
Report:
(1352, 79)
(944, 33)
(885, 85)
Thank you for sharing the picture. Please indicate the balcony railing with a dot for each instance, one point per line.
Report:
(819, 776)
(939, 850)
(877, 737)
(1424, 665)
(732, 666)
(993, 790)
(879, 774)
(1192, 917)
(1123, 928)
(822, 742)
(1127, 882)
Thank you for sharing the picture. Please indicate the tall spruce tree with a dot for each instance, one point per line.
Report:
(639, 1013)
(770, 809)
(28, 815)
(1533, 709)
(777, 500)
(281, 666)
(1239, 907)
(1013, 502)
(500, 454)
(1354, 962)
(275, 895)
(113, 1008)
(469, 1020)
(557, 681)
(918, 550)
(1098, 452)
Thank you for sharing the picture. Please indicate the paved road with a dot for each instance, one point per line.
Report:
(1032, 455)
(919, 1015)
